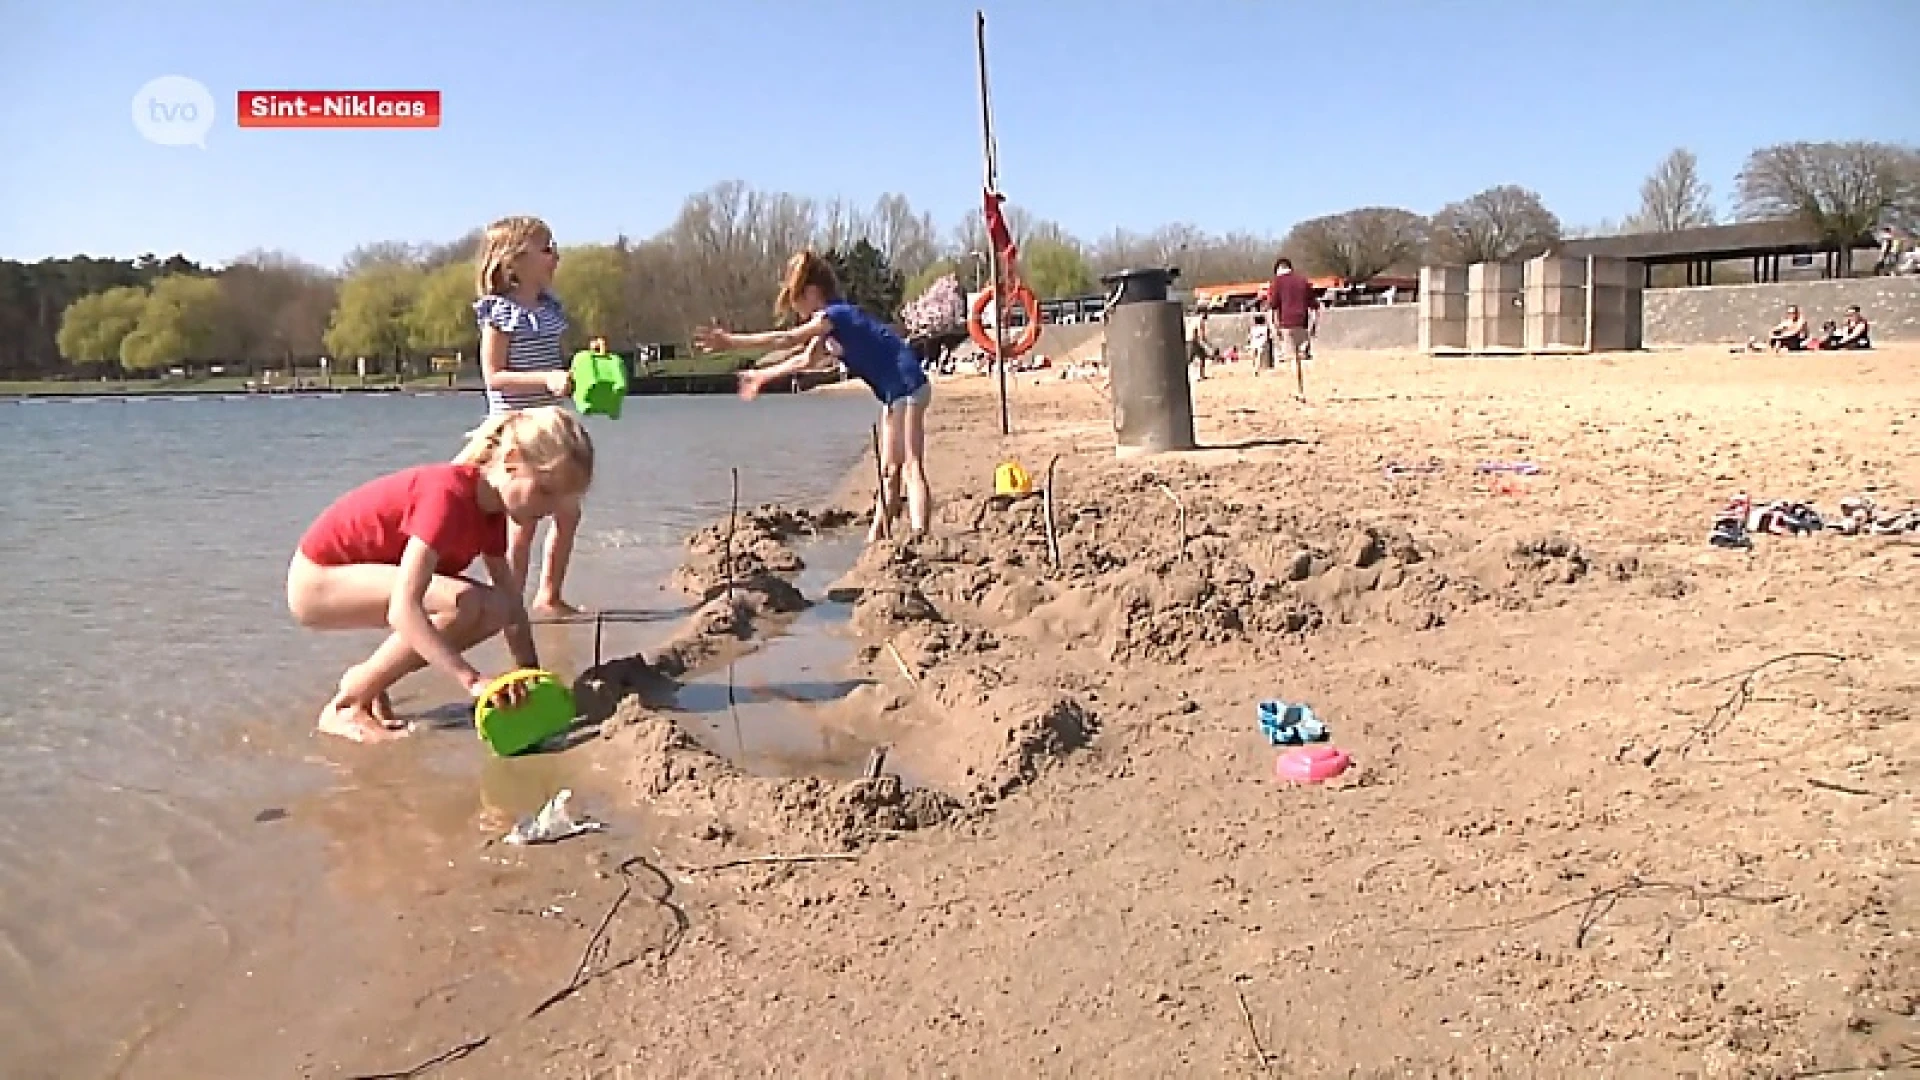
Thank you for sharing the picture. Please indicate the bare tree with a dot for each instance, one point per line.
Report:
(273, 308)
(908, 240)
(379, 253)
(1358, 245)
(464, 249)
(1497, 225)
(1844, 189)
(1673, 197)
(1203, 258)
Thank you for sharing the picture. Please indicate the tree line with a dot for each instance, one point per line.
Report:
(723, 251)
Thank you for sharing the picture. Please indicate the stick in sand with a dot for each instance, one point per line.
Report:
(1046, 507)
(894, 651)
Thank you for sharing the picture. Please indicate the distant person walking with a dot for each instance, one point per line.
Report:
(1296, 316)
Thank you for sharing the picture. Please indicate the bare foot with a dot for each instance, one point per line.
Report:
(355, 723)
(553, 607)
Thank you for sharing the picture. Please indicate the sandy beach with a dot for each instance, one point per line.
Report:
(1621, 801)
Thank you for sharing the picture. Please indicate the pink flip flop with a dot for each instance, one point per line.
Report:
(1311, 764)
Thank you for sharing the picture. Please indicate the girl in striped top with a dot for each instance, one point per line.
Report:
(521, 322)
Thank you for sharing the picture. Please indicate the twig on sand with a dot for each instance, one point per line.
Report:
(1259, 1049)
(444, 1057)
(894, 651)
(1828, 785)
(581, 976)
(1747, 680)
(1182, 507)
(876, 762)
(773, 860)
(1599, 903)
(1046, 508)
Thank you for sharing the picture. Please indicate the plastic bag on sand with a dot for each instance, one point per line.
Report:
(553, 822)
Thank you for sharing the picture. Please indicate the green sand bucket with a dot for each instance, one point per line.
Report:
(599, 383)
(547, 711)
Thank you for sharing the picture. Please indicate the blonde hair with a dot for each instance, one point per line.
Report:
(804, 269)
(506, 240)
(548, 439)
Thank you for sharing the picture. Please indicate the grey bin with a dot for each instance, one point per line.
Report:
(1147, 359)
(1144, 286)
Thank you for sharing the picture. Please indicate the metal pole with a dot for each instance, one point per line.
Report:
(993, 251)
(1590, 264)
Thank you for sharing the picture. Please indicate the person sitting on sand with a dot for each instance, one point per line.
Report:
(1855, 333)
(391, 554)
(872, 352)
(1790, 334)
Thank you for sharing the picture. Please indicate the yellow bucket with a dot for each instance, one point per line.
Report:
(1011, 480)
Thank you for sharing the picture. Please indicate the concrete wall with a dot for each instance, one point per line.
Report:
(1715, 314)
(1378, 326)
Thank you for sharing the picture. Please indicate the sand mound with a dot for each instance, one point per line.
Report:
(1154, 566)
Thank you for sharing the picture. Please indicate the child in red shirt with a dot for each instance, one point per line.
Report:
(392, 554)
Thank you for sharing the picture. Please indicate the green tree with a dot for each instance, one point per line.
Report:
(178, 324)
(592, 283)
(93, 327)
(867, 281)
(917, 285)
(441, 318)
(1054, 268)
(372, 317)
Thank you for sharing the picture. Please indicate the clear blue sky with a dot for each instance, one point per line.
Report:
(602, 115)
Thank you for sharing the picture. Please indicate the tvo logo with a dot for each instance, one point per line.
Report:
(173, 110)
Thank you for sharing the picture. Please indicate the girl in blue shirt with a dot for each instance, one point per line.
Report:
(873, 353)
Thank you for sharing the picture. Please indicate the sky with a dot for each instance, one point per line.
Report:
(601, 116)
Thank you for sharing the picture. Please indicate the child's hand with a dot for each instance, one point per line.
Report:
(712, 338)
(507, 697)
(750, 383)
(559, 383)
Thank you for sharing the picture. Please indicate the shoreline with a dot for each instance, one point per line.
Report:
(651, 386)
(1538, 864)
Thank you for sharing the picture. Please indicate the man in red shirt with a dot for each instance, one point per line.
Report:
(1296, 310)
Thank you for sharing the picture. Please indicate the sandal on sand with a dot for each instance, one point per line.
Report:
(1512, 468)
(1289, 725)
(1730, 524)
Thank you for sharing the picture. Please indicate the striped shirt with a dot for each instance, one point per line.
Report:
(533, 344)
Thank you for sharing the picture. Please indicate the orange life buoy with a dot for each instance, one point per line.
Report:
(1027, 302)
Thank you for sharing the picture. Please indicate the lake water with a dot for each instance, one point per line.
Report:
(159, 701)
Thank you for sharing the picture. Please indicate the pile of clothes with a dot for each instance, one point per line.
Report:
(1735, 524)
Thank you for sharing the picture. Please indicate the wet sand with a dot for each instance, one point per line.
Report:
(1602, 817)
